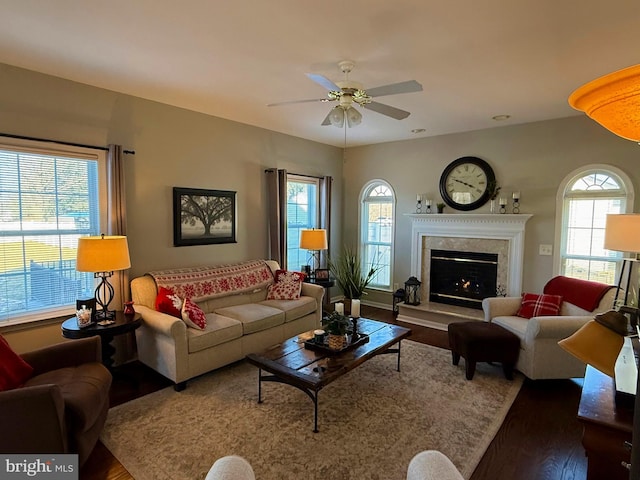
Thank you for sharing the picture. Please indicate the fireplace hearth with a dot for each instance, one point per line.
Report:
(462, 278)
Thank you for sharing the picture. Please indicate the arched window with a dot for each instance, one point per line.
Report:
(585, 198)
(377, 226)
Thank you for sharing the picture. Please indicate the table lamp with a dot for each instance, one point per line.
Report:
(613, 101)
(102, 256)
(314, 240)
(622, 234)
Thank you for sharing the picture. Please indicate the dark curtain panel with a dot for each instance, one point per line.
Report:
(117, 217)
(325, 214)
(277, 192)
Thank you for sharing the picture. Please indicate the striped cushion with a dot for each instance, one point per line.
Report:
(534, 305)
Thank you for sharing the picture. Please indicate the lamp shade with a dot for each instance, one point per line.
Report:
(622, 232)
(102, 254)
(315, 239)
(613, 101)
(595, 345)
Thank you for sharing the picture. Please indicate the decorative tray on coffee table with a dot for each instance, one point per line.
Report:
(311, 344)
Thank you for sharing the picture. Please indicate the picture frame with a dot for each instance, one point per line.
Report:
(322, 274)
(203, 217)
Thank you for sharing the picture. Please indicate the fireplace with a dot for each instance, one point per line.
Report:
(462, 278)
(500, 236)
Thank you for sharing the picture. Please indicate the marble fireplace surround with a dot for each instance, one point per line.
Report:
(502, 234)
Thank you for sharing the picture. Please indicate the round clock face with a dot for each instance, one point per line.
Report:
(465, 183)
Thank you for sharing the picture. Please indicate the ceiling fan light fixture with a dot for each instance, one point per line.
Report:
(336, 117)
(354, 117)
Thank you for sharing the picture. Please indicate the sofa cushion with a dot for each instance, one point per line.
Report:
(287, 285)
(14, 371)
(219, 330)
(193, 315)
(534, 305)
(293, 309)
(84, 389)
(255, 317)
(168, 302)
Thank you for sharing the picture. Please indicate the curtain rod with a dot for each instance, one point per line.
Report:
(71, 144)
(294, 174)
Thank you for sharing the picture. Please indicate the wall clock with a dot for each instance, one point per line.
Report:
(466, 183)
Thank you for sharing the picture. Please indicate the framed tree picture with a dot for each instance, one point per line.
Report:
(202, 217)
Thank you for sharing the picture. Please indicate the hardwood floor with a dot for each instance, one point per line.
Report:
(540, 438)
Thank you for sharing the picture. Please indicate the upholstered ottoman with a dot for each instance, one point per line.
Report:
(483, 342)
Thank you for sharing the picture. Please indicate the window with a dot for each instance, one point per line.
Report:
(377, 225)
(588, 195)
(302, 213)
(47, 200)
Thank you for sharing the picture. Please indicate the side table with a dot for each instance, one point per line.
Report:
(123, 324)
(606, 428)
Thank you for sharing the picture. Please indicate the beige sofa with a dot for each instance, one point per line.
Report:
(540, 356)
(239, 322)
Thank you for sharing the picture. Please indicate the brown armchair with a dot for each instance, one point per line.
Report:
(63, 406)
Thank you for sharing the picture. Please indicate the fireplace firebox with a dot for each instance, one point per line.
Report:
(462, 278)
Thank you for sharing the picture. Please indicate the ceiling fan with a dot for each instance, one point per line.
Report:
(347, 92)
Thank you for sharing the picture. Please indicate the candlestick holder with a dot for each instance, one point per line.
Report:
(516, 205)
(419, 206)
(503, 207)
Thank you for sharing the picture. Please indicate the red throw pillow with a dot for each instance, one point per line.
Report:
(287, 286)
(534, 305)
(193, 315)
(14, 371)
(168, 302)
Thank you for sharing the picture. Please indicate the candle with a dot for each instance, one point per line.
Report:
(428, 203)
(516, 196)
(355, 308)
(339, 308)
(419, 198)
(503, 201)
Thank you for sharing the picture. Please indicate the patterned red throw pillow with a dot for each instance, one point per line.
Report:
(287, 286)
(168, 302)
(534, 305)
(193, 315)
(14, 371)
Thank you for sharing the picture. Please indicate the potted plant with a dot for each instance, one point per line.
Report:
(440, 207)
(336, 325)
(350, 276)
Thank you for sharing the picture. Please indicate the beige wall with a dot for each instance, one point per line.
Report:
(174, 147)
(177, 147)
(532, 158)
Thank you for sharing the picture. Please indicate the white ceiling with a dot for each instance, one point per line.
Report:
(230, 58)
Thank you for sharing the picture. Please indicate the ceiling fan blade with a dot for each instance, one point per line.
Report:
(324, 81)
(387, 110)
(289, 102)
(409, 86)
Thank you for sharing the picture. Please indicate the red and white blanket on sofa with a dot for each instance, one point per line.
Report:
(215, 281)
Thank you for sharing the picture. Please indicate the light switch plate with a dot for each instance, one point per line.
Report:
(545, 249)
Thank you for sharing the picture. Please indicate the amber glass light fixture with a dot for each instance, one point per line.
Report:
(613, 101)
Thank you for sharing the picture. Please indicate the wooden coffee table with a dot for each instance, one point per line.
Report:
(310, 370)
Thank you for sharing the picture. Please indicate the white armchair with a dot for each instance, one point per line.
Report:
(540, 356)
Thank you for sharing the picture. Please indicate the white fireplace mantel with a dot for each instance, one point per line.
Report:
(509, 227)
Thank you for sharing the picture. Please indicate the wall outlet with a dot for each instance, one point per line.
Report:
(545, 249)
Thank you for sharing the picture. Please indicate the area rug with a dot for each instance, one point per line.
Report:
(372, 421)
